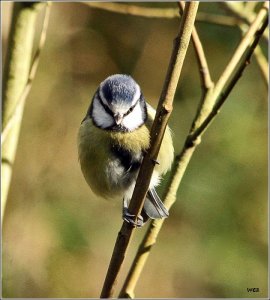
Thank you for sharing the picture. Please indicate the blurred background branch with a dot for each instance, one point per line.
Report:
(244, 11)
(17, 83)
(32, 73)
(263, 64)
(235, 67)
(134, 10)
(238, 70)
(259, 56)
(205, 115)
(241, 14)
(167, 13)
(246, 15)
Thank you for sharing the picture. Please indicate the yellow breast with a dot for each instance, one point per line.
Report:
(94, 146)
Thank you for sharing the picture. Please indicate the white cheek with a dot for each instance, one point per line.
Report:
(100, 116)
(134, 119)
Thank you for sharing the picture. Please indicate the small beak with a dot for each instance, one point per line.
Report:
(118, 118)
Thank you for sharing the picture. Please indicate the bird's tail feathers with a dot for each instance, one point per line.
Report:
(154, 207)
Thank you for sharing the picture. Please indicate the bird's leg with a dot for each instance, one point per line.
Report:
(129, 218)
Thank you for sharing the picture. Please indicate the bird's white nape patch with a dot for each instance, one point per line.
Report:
(134, 119)
(100, 116)
(101, 95)
(137, 94)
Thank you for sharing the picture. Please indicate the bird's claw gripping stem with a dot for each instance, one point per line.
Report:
(131, 219)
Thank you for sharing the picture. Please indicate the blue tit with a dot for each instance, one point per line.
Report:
(112, 140)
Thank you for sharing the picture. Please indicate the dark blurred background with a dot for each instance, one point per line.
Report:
(58, 237)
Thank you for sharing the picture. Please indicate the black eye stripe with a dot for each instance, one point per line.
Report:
(107, 109)
(131, 109)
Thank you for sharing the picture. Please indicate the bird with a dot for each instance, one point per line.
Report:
(113, 138)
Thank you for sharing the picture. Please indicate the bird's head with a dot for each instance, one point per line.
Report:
(118, 104)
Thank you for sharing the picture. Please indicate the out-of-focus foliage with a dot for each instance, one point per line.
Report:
(58, 237)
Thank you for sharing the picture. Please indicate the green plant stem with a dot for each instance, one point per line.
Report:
(16, 74)
(157, 131)
(182, 161)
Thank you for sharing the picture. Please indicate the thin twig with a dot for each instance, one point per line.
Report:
(207, 84)
(157, 131)
(224, 94)
(205, 77)
(262, 63)
(260, 58)
(166, 13)
(238, 10)
(206, 81)
(240, 15)
(139, 11)
(247, 39)
(6, 127)
(181, 162)
(217, 19)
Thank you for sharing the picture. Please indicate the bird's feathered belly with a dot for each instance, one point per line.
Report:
(110, 160)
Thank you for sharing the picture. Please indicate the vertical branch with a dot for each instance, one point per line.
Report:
(15, 79)
(201, 121)
(205, 77)
(207, 84)
(157, 131)
(177, 172)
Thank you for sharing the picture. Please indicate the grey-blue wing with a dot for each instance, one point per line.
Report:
(154, 207)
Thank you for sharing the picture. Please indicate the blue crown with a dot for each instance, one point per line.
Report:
(119, 88)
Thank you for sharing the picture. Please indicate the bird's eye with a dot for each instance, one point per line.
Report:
(130, 110)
